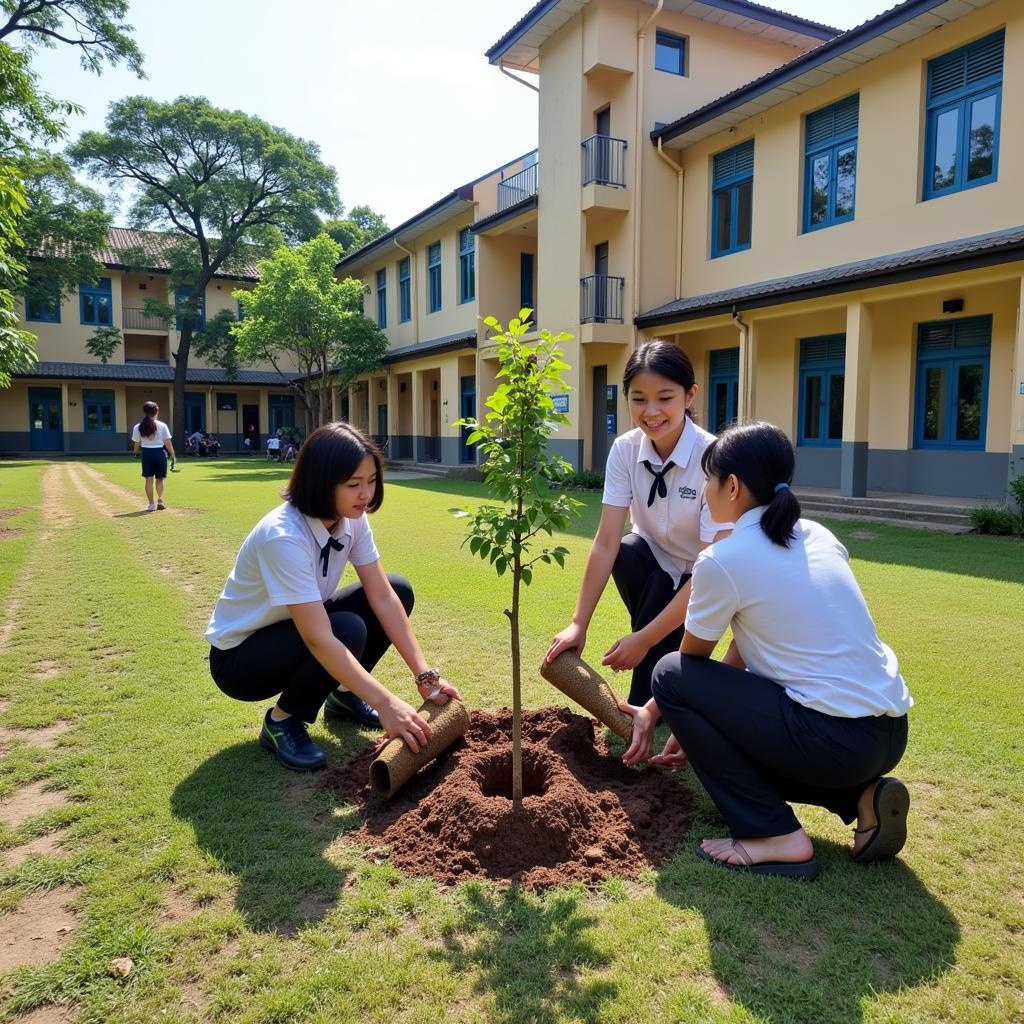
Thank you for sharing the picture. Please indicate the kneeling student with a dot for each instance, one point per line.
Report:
(280, 625)
(808, 705)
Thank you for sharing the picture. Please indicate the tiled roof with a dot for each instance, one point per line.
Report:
(151, 372)
(464, 339)
(149, 248)
(946, 257)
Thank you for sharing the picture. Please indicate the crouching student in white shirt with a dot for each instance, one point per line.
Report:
(281, 626)
(820, 714)
(653, 473)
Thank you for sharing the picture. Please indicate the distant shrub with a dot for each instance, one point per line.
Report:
(996, 519)
(585, 480)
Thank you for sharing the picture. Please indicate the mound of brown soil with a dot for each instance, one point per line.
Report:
(585, 815)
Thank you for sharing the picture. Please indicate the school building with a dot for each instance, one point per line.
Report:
(71, 402)
(829, 223)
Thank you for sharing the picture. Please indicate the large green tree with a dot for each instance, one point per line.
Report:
(358, 228)
(226, 184)
(301, 314)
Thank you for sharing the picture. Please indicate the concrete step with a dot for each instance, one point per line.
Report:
(881, 520)
(431, 469)
(919, 515)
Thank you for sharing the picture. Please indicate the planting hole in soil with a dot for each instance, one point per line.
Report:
(585, 816)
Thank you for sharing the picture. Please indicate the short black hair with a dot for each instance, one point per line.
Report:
(328, 457)
(664, 358)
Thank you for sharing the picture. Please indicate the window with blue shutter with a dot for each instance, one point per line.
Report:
(952, 383)
(822, 382)
(98, 410)
(43, 310)
(404, 291)
(965, 91)
(830, 164)
(723, 388)
(180, 300)
(434, 277)
(96, 304)
(732, 199)
(467, 266)
(670, 53)
(382, 299)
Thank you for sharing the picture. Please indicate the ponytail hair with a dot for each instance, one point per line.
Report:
(664, 358)
(147, 427)
(761, 456)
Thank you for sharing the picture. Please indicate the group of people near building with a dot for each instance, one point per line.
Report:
(806, 705)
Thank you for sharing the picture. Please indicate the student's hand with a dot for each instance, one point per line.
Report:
(572, 638)
(438, 693)
(400, 721)
(642, 745)
(672, 756)
(626, 653)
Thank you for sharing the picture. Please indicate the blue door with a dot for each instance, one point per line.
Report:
(45, 426)
(467, 409)
(723, 388)
(195, 412)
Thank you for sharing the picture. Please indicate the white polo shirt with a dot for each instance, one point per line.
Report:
(798, 617)
(156, 440)
(281, 563)
(674, 525)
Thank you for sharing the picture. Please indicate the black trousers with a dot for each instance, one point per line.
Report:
(754, 749)
(645, 589)
(275, 660)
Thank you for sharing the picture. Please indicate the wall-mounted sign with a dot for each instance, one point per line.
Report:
(561, 403)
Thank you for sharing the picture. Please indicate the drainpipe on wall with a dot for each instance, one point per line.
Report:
(679, 217)
(529, 85)
(638, 162)
(746, 367)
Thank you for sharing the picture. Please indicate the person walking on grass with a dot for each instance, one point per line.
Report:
(282, 628)
(653, 474)
(153, 438)
(808, 705)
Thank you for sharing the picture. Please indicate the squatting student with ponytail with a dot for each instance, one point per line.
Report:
(819, 716)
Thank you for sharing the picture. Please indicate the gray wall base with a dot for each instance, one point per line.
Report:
(817, 467)
(951, 474)
(1016, 469)
(853, 472)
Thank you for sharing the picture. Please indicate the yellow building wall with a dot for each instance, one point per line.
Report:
(890, 214)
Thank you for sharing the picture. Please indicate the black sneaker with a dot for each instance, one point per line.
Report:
(291, 743)
(347, 707)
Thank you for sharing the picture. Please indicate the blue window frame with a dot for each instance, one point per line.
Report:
(180, 298)
(96, 304)
(952, 383)
(822, 384)
(670, 53)
(830, 164)
(434, 277)
(98, 410)
(732, 199)
(527, 262)
(965, 92)
(467, 266)
(723, 387)
(404, 291)
(280, 412)
(382, 298)
(45, 310)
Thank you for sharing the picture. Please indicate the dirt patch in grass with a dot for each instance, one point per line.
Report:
(45, 737)
(37, 929)
(47, 1015)
(10, 513)
(45, 669)
(585, 816)
(10, 532)
(28, 801)
(40, 846)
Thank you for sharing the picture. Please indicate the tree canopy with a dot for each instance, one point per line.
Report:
(359, 228)
(229, 185)
(301, 314)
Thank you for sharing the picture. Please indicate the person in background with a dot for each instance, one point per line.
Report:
(152, 439)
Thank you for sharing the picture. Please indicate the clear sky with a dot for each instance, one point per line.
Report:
(397, 93)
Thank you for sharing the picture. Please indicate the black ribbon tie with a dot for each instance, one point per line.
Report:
(325, 552)
(659, 488)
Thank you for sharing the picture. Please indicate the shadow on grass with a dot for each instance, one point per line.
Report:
(269, 827)
(820, 951)
(529, 950)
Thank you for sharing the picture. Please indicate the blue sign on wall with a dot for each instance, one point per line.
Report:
(561, 403)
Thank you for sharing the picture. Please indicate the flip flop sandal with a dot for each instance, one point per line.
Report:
(891, 803)
(803, 870)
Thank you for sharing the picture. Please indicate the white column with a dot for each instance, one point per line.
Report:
(853, 475)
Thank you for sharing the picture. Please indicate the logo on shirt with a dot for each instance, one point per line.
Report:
(687, 492)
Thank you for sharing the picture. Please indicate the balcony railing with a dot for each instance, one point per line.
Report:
(604, 161)
(517, 188)
(601, 299)
(134, 319)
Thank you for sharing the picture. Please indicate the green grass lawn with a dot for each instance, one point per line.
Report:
(189, 850)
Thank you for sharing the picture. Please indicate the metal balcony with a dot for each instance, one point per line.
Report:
(134, 319)
(601, 299)
(520, 186)
(604, 161)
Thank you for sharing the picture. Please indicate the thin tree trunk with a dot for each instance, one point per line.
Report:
(178, 388)
(517, 712)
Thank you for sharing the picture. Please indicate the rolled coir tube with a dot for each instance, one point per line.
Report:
(577, 680)
(396, 764)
